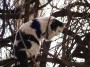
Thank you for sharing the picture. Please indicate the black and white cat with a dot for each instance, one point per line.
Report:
(32, 32)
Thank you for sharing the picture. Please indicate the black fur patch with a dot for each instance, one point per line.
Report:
(55, 24)
(36, 25)
(26, 37)
(22, 57)
(27, 44)
(32, 38)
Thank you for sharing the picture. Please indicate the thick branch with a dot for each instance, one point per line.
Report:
(64, 12)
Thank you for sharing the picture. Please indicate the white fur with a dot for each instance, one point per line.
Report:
(34, 50)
